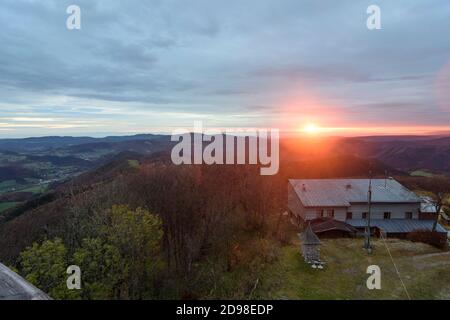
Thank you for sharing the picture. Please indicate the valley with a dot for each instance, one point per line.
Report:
(30, 167)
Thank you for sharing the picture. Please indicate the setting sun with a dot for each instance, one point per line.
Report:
(311, 128)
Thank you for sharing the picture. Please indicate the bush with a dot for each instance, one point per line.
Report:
(123, 262)
(435, 239)
(44, 265)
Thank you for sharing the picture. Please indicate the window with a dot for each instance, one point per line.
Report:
(319, 213)
(408, 215)
(330, 213)
(387, 215)
(364, 215)
(349, 215)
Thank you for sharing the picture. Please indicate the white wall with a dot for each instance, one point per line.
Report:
(294, 203)
(311, 213)
(297, 208)
(340, 214)
(377, 211)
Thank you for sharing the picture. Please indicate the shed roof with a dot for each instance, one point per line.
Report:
(14, 287)
(397, 225)
(427, 205)
(308, 236)
(343, 192)
(324, 225)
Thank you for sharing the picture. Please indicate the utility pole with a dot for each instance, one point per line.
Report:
(367, 244)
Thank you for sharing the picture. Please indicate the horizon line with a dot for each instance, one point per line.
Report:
(285, 133)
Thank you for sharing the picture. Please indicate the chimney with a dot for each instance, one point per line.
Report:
(348, 186)
(303, 187)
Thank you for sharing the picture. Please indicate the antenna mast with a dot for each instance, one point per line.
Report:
(385, 178)
(367, 244)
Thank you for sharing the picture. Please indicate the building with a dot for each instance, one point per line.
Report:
(14, 287)
(331, 228)
(395, 210)
(428, 209)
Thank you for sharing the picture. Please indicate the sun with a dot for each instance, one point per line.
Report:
(311, 128)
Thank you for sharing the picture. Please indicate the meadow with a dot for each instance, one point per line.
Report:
(423, 269)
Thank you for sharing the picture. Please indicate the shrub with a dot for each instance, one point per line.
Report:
(436, 239)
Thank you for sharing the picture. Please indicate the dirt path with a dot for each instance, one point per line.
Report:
(429, 255)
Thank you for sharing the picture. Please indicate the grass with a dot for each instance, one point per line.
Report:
(447, 199)
(30, 186)
(344, 277)
(6, 186)
(35, 189)
(6, 205)
(133, 163)
(422, 173)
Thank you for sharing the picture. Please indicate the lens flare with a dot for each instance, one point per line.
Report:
(311, 128)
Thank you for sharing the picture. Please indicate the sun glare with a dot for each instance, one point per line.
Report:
(311, 128)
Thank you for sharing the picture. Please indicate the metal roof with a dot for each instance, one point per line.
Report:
(343, 192)
(14, 287)
(323, 225)
(427, 205)
(397, 225)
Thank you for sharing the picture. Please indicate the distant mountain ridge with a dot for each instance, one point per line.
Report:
(431, 153)
(50, 142)
(36, 161)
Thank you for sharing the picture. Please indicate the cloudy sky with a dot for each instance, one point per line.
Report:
(153, 66)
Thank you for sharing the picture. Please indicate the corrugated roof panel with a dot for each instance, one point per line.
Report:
(342, 192)
(397, 225)
(427, 205)
(14, 287)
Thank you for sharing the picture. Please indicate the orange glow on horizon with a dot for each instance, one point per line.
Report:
(312, 129)
(304, 111)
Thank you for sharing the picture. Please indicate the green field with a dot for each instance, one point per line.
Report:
(6, 205)
(422, 173)
(424, 270)
(35, 189)
(6, 186)
(133, 163)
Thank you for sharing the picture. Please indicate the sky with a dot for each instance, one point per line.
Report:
(155, 66)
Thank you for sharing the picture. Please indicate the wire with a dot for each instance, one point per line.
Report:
(395, 266)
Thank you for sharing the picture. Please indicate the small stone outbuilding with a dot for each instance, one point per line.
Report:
(310, 244)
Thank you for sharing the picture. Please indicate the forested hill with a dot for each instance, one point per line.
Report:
(197, 226)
